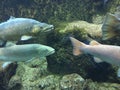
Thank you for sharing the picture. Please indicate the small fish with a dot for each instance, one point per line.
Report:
(15, 29)
(25, 52)
(110, 27)
(106, 53)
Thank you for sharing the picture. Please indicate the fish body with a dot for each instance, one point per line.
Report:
(25, 52)
(14, 28)
(106, 53)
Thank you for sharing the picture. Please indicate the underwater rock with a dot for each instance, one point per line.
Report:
(14, 81)
(102, 86)
(6, 74)
(97, 19)
(71, 82)
(33, 76)
(50, 82)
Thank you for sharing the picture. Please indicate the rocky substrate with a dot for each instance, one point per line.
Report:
(35, 76)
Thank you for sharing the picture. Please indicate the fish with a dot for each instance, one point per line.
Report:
(24, 53)
(110, 27)
(101, 52)
(16, 29)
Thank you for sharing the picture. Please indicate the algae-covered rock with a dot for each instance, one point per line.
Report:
(15, 81)
(33, 76)
(103, 86)
(71, 82)
(98, 19)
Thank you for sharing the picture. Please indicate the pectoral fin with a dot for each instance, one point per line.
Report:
(6, 64)
(26, 37)
(97, 60)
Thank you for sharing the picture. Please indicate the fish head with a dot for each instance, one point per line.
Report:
(42, 27)
(44, 50)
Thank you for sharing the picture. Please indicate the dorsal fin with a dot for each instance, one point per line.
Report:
(93, 42)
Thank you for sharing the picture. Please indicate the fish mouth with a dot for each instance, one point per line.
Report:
(51, 52)
(47, 29)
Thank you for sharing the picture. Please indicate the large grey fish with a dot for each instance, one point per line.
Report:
(111, 26)
(15, 29)
(24, 52)
(107, 53)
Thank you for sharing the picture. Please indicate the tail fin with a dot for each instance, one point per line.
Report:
(76, 46)
(108, 28)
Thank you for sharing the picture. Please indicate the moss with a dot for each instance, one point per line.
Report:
(64, 10)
